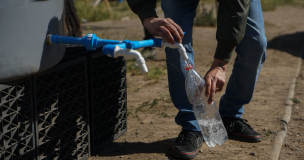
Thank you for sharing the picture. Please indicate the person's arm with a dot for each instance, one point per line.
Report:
(162, 27)
(231, 22)
(215, 78)
(143, 8)
(231, 26)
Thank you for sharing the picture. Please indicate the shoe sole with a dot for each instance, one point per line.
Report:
(184, 155)
(245, 138)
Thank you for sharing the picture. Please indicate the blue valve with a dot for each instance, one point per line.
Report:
(90, 41)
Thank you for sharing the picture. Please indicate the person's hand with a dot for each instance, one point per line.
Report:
(215, 78)
(165, 28)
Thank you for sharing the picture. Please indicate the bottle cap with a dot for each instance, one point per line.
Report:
(188, 66)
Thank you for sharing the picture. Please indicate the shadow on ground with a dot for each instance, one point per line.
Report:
(290, 43)
(128, 148)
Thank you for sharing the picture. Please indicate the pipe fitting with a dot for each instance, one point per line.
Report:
(48, 39)
(180, 47)
(90, 41)
(130, 53)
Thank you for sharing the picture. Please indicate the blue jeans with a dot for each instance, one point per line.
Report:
(251, 54)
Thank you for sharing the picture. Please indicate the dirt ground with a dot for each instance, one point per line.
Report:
(151, 126)
(293, 145)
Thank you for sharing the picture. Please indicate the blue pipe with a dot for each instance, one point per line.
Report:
(154, 42)
(67, 40)
(91, 42)
(103, 42)
(127, 44)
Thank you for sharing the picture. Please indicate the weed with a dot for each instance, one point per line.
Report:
(137, 89)
(166, 108)
(136, 116)
(131, 60)
(148, 53)
(122, 7)
(267, 133)
(89, 30)
(103, 33)
(270, 5)
(150, 56)
(86, 11)
(285, 2)
(295, 101)
(147, 105)
(129, 111)
(142, 106)
(133, 68)
(204, 17)
(150, 107)
(166, 98)
(152, 83)
(162, 97)
(154, 103)
(164, 115)
(154, 73)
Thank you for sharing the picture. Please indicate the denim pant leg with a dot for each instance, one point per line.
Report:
(181, 12)
(251, 54)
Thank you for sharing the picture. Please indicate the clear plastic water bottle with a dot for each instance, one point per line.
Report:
(207, 116)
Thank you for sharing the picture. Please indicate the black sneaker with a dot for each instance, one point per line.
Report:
(188, 143)
(238, 129)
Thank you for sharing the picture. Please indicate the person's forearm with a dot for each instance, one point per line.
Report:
(147, 20)
(220, 64)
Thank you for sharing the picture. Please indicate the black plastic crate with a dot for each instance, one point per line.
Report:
(108, 99)
(17, 140)
(107, 96)
(61, 110)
